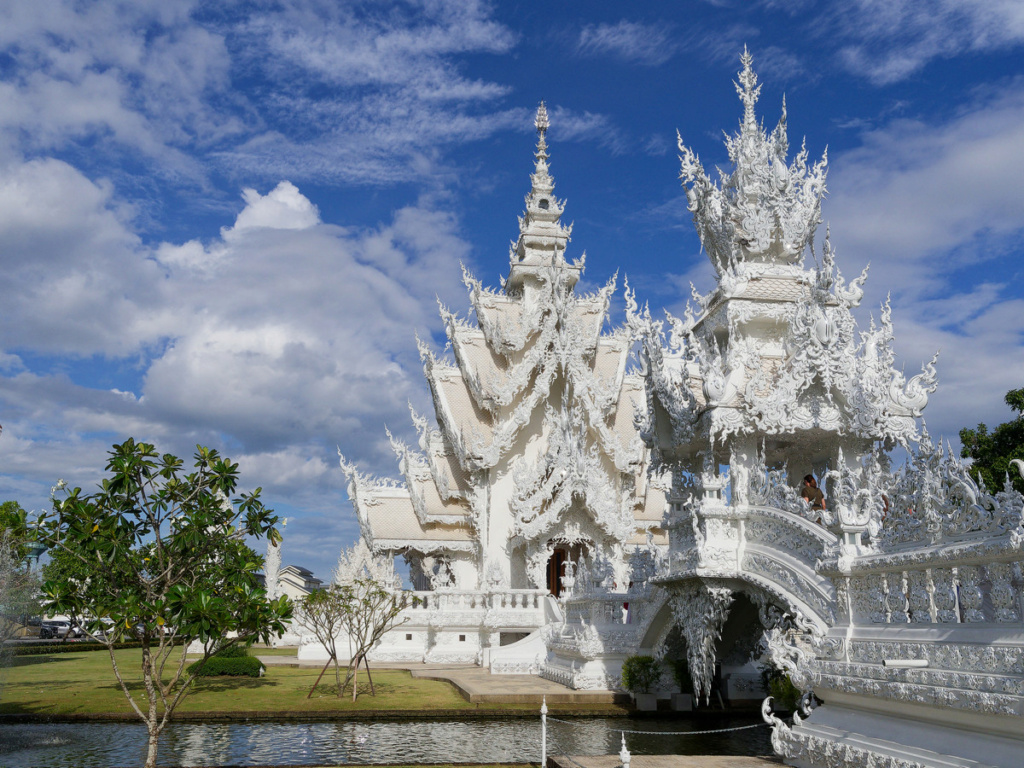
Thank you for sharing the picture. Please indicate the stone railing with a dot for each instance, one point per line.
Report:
(525, 600)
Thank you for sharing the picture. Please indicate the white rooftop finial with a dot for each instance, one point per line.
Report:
(747, 88)
(542, 119)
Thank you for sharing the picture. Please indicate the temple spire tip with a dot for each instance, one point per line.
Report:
(541, 121)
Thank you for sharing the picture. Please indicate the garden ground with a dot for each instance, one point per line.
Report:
(82, 685)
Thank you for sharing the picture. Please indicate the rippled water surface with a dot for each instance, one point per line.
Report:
(102, 745)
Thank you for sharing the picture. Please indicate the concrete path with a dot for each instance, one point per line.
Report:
(478, 685)
(663, 761)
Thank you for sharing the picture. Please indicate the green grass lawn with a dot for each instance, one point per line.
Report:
(84, 683)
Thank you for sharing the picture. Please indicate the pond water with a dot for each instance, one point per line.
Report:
(102, 745)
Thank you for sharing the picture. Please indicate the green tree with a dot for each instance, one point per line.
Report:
(64, 567)
(993, 451)
(166, 563)
(19, 584)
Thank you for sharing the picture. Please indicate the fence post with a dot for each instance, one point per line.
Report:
(544, 732)
(624, 753)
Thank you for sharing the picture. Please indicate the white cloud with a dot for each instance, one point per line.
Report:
(284, 331)
(77, 280)
(341, 92)
(630, 41)
(140, 74)
(390, 95)
(913, 191)
(937, 211)
(892, 39)
(284, 207)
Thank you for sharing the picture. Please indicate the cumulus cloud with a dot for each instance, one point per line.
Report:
(76, 276)
(284, 207)
(630, 41)
(294, 337)
(937, 211)
(890, 40)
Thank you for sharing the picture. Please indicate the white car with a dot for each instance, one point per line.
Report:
(59, 627)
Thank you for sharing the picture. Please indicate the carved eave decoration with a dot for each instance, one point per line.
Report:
(430, 503)
(570, 473)
(451, 481)
(565, 339)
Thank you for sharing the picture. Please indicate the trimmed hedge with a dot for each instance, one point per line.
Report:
(238, 666)
(232, 652)
(76, 647)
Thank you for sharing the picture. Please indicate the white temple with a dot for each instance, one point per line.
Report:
(558, 488)
(902, 608)
(532, 465)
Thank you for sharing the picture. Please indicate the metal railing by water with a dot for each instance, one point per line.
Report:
(624, 754)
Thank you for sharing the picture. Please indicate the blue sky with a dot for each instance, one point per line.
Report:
(225, 222)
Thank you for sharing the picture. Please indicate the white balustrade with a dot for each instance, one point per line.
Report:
(517, 600)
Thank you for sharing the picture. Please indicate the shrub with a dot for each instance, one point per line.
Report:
(82, 646)
(781, 688)
(239, 666)
(640, 673)
(232, 652)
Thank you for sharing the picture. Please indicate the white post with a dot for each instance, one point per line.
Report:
(544, 732)
(624, 753)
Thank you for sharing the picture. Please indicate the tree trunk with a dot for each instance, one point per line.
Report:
(154, 737)
(355, 680)
(366, 663)
(310, 694)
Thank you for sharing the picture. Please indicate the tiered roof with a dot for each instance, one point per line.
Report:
(535, 364)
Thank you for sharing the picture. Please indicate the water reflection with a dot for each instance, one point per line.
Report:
(99, 745)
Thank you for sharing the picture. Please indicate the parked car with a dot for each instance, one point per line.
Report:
(54, 628)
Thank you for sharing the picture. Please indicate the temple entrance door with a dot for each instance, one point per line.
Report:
(556, 564)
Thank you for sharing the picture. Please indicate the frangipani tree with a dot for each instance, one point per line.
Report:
(374, 600)
(166, 562)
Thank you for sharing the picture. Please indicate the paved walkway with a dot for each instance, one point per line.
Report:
(478, 685)
(663, 761)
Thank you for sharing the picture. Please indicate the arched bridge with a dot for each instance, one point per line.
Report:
(765, 552)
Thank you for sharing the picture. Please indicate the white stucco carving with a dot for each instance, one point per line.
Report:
(899, 603)
(532, 454)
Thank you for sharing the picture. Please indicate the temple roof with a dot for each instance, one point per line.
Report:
(535, 367)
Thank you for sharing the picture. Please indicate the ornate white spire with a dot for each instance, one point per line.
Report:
(542, 238)
(748, 89)
(765, 211)
(542, 181)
